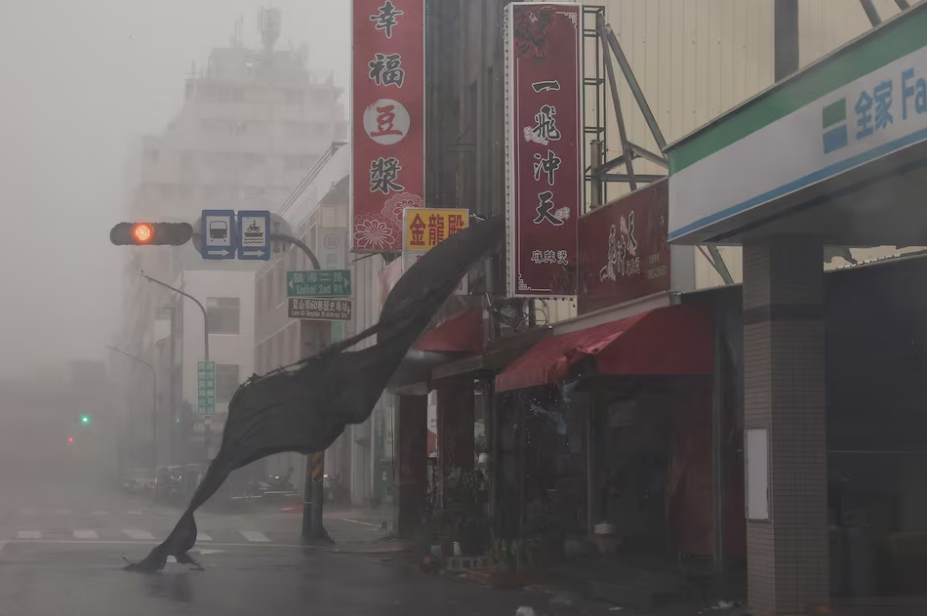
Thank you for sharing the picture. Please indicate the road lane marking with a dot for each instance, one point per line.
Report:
(86, 534)
(29, 534)
(142, 535)
(359, 522)
(203, 537)
(255, 536)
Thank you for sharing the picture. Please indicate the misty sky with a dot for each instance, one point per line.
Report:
(80, 79)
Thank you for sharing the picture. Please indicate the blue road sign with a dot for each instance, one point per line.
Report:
(218, 234)
(254, 231)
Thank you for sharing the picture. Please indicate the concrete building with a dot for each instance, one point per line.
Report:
(252, 125)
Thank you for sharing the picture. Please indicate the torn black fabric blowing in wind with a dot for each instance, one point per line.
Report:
(305, 410)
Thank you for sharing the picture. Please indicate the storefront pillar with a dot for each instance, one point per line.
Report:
(786, 465)
(413, 458)
(455, 427)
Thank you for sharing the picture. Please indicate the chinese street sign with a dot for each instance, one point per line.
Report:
(623, 251)
(544, 160)
(319, 283)
(320, 309)
(423, 229)
(206, 388)
(388, 113)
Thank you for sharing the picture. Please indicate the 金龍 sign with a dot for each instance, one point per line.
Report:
(423, 229)
(623, 250)
(544, 160)
(206, 388)
(388, 112)
(319, 283)
(320, 309)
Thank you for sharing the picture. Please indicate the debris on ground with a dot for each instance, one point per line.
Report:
(720, 604)
(430, 564)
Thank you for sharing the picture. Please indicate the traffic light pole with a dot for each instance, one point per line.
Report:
(205, 344)
(314, 487)
(154, 403)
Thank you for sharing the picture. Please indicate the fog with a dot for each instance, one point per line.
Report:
(80, 80)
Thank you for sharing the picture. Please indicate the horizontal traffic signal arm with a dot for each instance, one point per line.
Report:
(151, 233)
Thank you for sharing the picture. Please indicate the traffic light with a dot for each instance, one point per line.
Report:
(151, 233)
(70, 439)
(85, 420)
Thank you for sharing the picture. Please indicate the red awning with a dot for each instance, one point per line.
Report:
(460, 333)
(667, 341)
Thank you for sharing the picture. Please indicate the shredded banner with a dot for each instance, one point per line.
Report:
(304, 410)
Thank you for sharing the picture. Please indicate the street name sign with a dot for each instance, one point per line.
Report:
(206, 388)
(320, 309)
(319, 283)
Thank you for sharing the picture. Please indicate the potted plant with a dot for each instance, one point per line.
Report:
(463, 509)
(510, 560)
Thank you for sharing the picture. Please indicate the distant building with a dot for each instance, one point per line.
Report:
(252, 125)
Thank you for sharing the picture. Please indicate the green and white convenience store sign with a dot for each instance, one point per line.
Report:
(865, 101)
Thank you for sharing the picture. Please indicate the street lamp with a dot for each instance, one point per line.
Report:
(205, 342)
(154, 403)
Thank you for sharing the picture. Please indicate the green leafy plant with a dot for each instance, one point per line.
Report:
(463, 516)
(509, 555)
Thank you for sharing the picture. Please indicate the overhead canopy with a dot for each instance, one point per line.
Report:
(667, 341)
(461, 333)
(836, 152)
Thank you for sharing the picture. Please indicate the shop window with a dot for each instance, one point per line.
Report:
(224, 314)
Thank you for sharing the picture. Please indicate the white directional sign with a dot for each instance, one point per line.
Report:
(218, 234)
(254, 234)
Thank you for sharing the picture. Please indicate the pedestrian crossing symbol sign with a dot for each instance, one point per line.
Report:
(206, 389)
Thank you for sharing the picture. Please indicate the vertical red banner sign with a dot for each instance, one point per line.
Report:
(388, 120)
(544, 158)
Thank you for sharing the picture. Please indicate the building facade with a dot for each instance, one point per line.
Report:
(252, 124)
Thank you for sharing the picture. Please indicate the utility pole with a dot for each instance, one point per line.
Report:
(154, 403)
(314, 487)
(205, 344)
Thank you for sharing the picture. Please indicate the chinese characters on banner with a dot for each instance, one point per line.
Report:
(623, 250)
(319, 309)
(423, 229)
(544, 126)
(388, 113)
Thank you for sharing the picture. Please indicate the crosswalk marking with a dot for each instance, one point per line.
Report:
(254, 536)
(29, 534)
(203, 537)
(138, 534)
(86, 534)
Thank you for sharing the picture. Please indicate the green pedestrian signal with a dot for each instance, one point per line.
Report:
(85, 420)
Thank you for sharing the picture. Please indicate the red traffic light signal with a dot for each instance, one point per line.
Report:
(143, 232)
(70, 439)
(151, 233)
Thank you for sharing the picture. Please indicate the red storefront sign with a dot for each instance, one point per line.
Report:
(388, 113)
(624, 254)
(544, 126)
